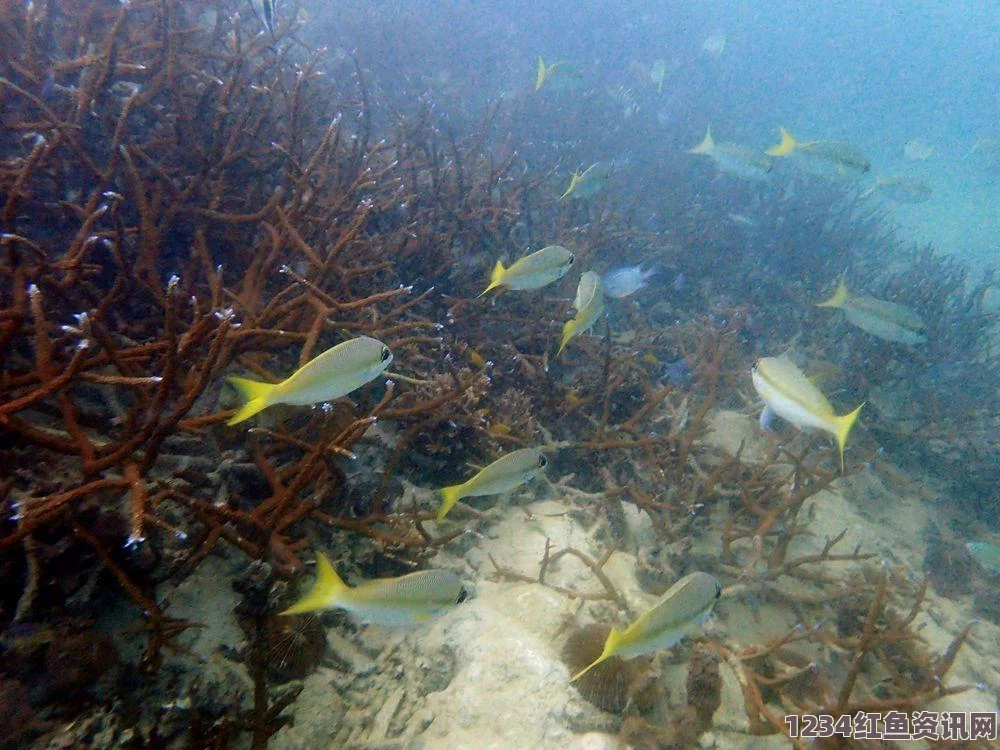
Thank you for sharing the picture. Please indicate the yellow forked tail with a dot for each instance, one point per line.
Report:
(256, 395)
(324, 593)
(449, 496)
(610, 647)
(569, 328)
(573, 180)
(787, 145)
(706, 145)
(541, 73)
(839, 297)
(844, 425)
(496, 278)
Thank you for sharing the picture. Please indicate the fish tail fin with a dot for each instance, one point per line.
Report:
(574, 178)
(569, 329)
(787, 145)
(256, 395)
(325, 592)
(496, 278)
(449, 496)
(706, 145)
(541, 73)
(610, 647)
(843, 427)
(839, 297)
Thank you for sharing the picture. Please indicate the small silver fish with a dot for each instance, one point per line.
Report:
(901, 189)
(624, 281)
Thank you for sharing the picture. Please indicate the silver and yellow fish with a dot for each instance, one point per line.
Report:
(788, 393)
(406, 600)
(588, 183)
(734, 158)
(589, 304)
(825, 158)
(684, 607)
(533, 271)
(503, 475)
(884, 320)
(332, 374)
(560, 73)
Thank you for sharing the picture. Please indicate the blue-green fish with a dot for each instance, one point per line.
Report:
(986, 554)
(901, 189)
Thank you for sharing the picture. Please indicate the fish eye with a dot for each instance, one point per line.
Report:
(386, 354)
(571, 259)
(542, 462)
(462, 595)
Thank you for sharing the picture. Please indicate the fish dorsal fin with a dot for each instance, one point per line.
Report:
(706, 145)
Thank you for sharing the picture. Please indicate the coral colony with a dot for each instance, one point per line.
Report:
(184, 198)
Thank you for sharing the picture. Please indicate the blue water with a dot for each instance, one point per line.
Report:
(874, 73)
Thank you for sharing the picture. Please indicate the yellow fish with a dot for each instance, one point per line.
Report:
(557, 71)
(685, 606)
(822, 157)
(401, 601)
(532, 271)
(788, 393)
(332, 374)
(885, 320)
(733, 158)
(589, 304)
(588, 183)
(504, 474)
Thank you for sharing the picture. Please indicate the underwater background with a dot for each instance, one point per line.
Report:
(276, 471)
